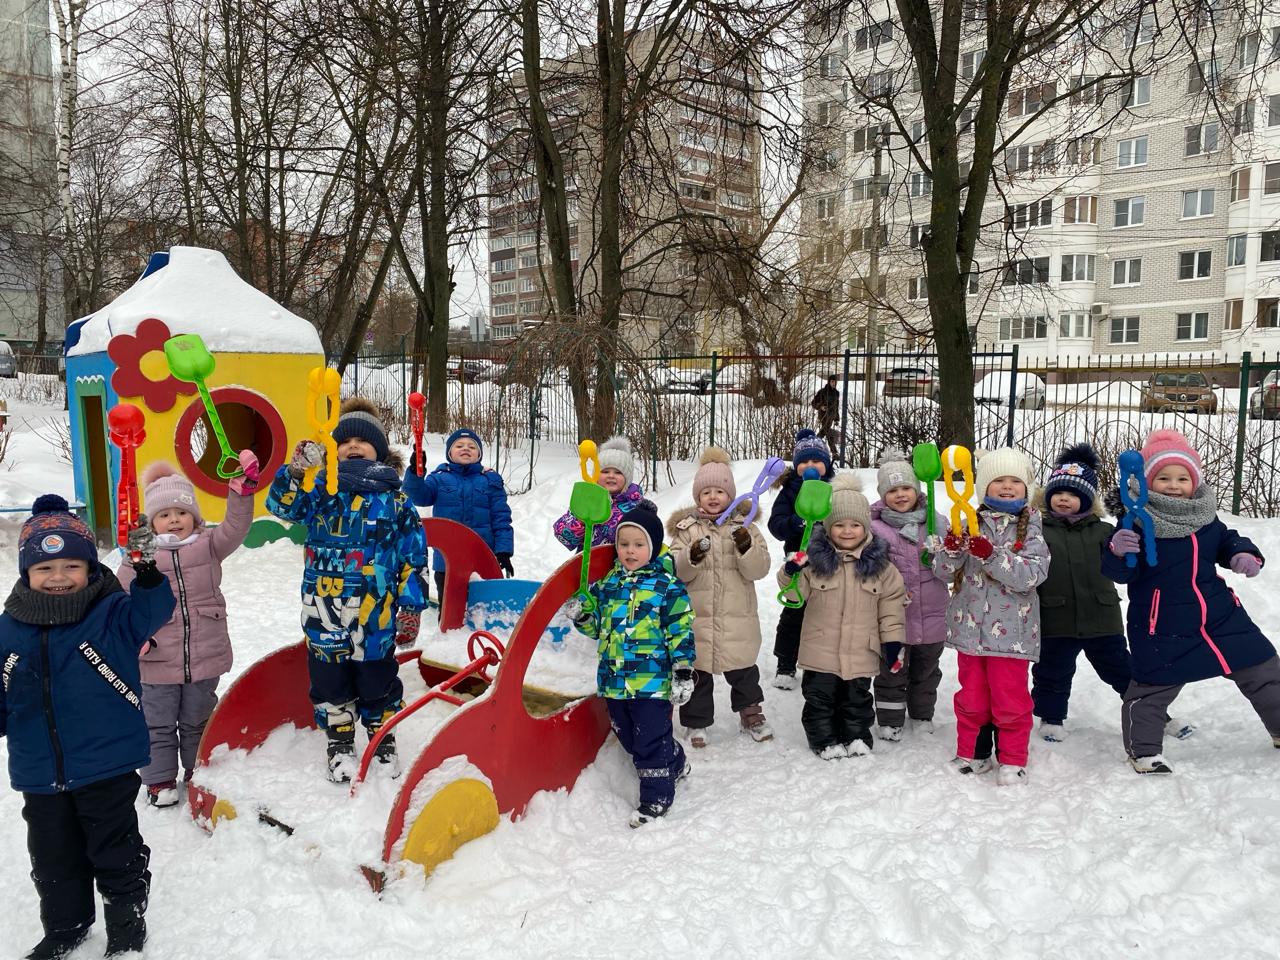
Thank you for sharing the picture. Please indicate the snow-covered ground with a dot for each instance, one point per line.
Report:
(768, 851)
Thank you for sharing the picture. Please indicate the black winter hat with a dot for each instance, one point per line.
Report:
(645, 516)
(360, 419)
(1075, 470)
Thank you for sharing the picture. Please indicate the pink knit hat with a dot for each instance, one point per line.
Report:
(714, 472)
(164, 487)
(1166, 447)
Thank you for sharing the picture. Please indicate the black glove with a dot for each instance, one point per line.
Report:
(699, 550)
(795, 563)
(742, 539)
(504, 561)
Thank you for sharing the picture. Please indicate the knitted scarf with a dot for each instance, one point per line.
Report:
(50, 610)
(1175, 517)
(908, 523)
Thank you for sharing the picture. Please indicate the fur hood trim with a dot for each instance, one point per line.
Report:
(825, 557)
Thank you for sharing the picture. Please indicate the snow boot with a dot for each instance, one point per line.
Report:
(924, 726)
(1051, 732)
(59, 944)
(889, 734)
(966, 766)
(387, 757)
(754, 723)
(857, 748)
(342, 751)
(127, 936)
(698, 737)
(163, 795)
(1178, 729)
(785, 681)
(1010, 776)
(1275, 742)
(646, 812)
(834, 751)
(1154, 764)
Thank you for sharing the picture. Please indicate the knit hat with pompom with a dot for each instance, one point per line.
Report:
(1167, 447)
(847, 502)
(164, 488)
(1075, 471)
(713, 471)
(895, 471)
(616, 452)
(54, 533)
(810, 446)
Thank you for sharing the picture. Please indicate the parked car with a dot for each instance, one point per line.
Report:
(470, 370)
(916, 380)
(492, 371)
(1177, 391)
(8, 362)
(1264, 402)
(994, 388)
(687, 380)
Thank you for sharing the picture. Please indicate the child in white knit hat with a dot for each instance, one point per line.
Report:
(617, 474)
(720, 563)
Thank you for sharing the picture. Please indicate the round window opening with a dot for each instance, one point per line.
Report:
(249, 421)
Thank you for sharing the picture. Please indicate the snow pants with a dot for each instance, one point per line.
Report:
(836, 710)
(993, 690)
(1146, 706)
(643, 727)
(913, 690)
(1051, 677)
(744, 691)
(176, 716)
(345, 688)
(786, 641)
(82, 835)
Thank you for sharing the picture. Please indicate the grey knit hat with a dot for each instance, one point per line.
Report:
(895, 471)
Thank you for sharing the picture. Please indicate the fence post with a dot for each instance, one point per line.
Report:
(1242, 425)
(1013, 395)
(844, 413)
(653, 439)
(715, 359)
(404, 387)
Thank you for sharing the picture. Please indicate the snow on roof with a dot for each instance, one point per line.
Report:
(198, 292)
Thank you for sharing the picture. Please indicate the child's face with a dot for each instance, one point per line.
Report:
(901, 499)
(612, 479)
(633, 547)
(175, 521)
(1007, 488)
(1173, 481)
(354, 448)
(58, 576)
(1064, 502)
(713, 500)
(464, 450)
(847, 534)
(806, 465)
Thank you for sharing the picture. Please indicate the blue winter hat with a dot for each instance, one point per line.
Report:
(360, 419)
(54, 533)
(645, 516)
(1076, 470)
(462, 433)
(810, 446)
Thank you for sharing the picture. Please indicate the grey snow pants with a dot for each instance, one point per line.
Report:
(176, 714)
(1145, 706)
(913, 690)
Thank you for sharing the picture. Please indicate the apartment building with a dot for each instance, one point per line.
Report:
(693, 166)
(1128, 217)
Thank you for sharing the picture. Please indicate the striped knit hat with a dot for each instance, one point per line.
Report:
(1166, 447)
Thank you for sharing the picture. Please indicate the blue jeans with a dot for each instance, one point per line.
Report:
(643, 727)
(1051, 677)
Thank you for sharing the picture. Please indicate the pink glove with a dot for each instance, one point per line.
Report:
(1246, 564)
(247, 482)
(1125, 541)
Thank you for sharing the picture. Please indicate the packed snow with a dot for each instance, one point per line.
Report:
(768, 851)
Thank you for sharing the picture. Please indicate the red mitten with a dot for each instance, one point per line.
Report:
(980, 547)
(953, 543)
(407, 624)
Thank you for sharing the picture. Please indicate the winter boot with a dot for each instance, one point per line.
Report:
(386, 754)
(59, 944)
(754, 723)
(924, 726)
(857, 748)
(128, 936)
(646, 812)
(889, 734)
(698, 737)
(966, 766)
(785, 681)
(163, 795)
(1154, 764)
(1010, 775)
(1275, 742)
(1179, 729)
(1052, 732)
(342, 750)
(834, 751)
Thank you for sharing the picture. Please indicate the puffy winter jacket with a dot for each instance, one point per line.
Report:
(927, 594)
(470, 494)
(194, 644)
(67, 724)
(784, 524)
(643, 625)
(1076, 600)
(569, 529)
(721, 587)
(1184, 622)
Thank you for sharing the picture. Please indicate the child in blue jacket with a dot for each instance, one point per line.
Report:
(69, 644)
(1184, 622)
(465, 490)
(362, 593)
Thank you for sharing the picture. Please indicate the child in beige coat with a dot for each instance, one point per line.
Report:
(854, 604)
(719, 564)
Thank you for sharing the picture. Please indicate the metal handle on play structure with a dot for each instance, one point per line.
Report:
(126, 429)
(323, 387)
(1133, 469)
(773, 469)
(956, 458)
(417, 422)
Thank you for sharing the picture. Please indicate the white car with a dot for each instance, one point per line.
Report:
(993, 389)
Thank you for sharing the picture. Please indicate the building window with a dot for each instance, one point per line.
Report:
(864, 188)
(1127, 272)
(1124, 330)
(1268, 314)
(1025, 272)
(1131, 152)
(1270, 245)
(502, 287)
(1233, 319)
(921, 185)
(695, 191)
(873, 35)
(828, 113)
(916, 234)
(970, 62)
(1024, 328)
(1236, 249)
(1242, 118)
(1136, 92)
(503, 309)
(1247, 49)
(1082, 209)
(1197, 203)
(1084, 150)
(1194, 264)
(829, 66)
(1144, 31)
(1240, 184)
(1273, 110)
(972, 281)
(1131, 211)
(1077, 266)
(1201, 138)
(528, 261)
(1191, 326)
(1202, 76)
(1030, 100)
(1271, 179)
(1076, 325)
(504, 266)
(918, 288)
(828, 207)
(865, 139)
(1038, 213)
(828, 252)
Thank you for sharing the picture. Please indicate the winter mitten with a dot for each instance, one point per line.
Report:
(980, 547)
(699, 550)
(795, 563)
(407, 623)
(895, 654)
(1125, 541)
(504, 561)
(742, 539)
(306, 454)
(954, 544)
(142, 541)
(247, 482)
(573, 608)
(681, 686)
(1246, 564)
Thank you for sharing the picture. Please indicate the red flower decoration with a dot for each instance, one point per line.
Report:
(127, 351)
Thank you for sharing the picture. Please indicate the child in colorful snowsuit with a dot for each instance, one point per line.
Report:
(362, 590)
(643, 625)
(907, 684)
(1184, 622)
(180, 672)
(853, 607)
(719, 564)
(617, 468)
(464, 489)
(69, 706)
(993, 617)
(809, 453)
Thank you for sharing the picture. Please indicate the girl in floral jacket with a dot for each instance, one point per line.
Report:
(617, 467)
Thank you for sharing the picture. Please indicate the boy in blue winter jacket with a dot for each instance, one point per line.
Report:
(362, 593)
(465, 490)
(69, 644)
